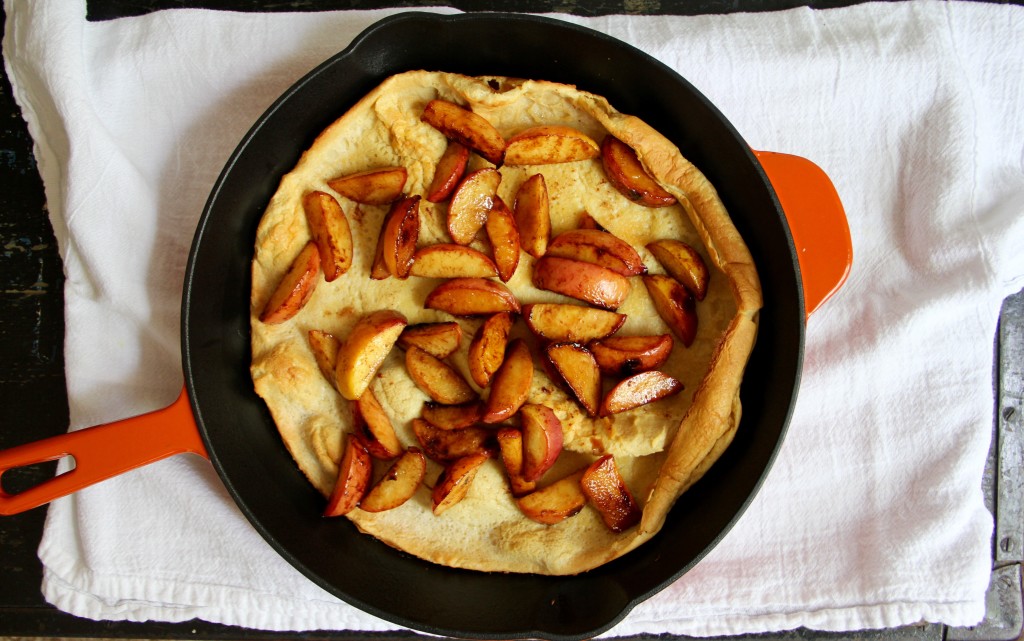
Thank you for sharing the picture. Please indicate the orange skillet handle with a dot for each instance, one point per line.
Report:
(821, 233)
(102, 452)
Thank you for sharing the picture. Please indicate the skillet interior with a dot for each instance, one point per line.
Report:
(243, 442)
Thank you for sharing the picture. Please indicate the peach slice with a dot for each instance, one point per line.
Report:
(510, 445)
(378, 268)
(447, 445)
(471, 297)
(471, 204)
(448, 172)
(329, 228)
(465, 127)
(532, 209)
(588, 282)
(556, 502)
(606, 490)
(398, 484)
(448, 260)
(295, 289)
(684, 263)
(354, 474)
(455, 480)
(627, 355)
(639, 389)
(438, 379)
(627, 174)
(503, 233)
(511, 383)
(401, 231)
(380, 186)
(325, 350)
(372, 423)
(571, 323)
(675, 304)
(549, 144)
(577, 367)
(452, 417)
(363, 352)
(542, 440)
(437, 339)
(487, 349)
(598, 247)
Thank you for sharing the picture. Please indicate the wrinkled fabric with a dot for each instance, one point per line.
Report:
(873, 515)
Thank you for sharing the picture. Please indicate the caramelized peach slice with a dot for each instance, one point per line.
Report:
(684, 263)
(542, 440)
(471, 297)
(401, 231)
(532, 209)
(448, 172)
(378, 268)
(448, 260)
(437, 339)
(380, 186)
(329, 228)
(556, 502)
(577, 367)
(639, 389)
(627, 174)
(438, 379)
(675, 304)
(503, 233)
(572, 323)
(472, 203)
(455, 480)
(452, 417)
(627, 355)
(295, 289)
(606, 490)
(398, 484)
(373, 424)
(511, 384)
(588, 282)
(549, 144)
(467, 128)
(325, 350)
(487, 349)
(354, 474)
(510, 444)
(447, 445)
(363, 352)
(598, 247)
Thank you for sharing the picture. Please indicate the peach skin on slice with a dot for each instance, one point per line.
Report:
(467, 128)
(471, 297)
(599, 286)
(380, 186)
(295, 289)
(329, 228)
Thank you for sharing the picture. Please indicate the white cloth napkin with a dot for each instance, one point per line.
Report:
(873, 515)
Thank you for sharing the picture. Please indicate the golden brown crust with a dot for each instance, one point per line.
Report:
(661, 449)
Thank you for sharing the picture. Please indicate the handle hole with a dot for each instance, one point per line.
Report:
(25, 477)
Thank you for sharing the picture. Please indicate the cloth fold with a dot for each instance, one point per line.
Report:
(873, 515)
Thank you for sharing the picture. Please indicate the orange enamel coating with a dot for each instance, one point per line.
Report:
(102, 452)
(817, 221)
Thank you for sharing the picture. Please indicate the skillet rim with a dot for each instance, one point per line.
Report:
(194, 283)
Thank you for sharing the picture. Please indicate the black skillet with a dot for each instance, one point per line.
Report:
(241, 441)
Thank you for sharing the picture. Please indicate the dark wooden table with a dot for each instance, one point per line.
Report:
(33, 400)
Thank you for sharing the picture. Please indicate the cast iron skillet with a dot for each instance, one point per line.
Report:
(242, 441)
